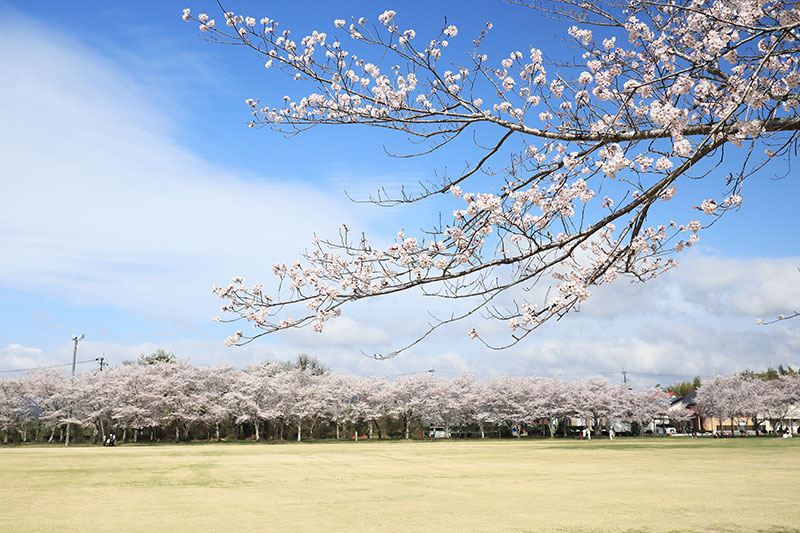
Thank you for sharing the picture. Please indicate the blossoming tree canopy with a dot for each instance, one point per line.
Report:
(660, 94)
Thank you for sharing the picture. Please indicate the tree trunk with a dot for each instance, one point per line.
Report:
(102, 429)
(216, 430)
(52, 435)
(337, 431)
(370, 430)
(313, 425)
(258, 434)
(177, 432)
(299, 426)
(480, 425)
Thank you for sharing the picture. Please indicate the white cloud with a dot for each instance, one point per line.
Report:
(100, 204)
(707, 287)
(343, 331)
(753, 286)
(15, 356)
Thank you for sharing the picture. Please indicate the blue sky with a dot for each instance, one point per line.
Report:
(129, 185)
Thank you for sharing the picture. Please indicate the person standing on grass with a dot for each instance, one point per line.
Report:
(611, 434)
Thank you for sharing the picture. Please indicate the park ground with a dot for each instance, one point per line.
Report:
(652, 484)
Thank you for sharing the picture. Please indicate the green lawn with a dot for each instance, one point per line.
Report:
(656, 484)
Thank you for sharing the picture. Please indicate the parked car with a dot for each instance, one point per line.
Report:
(662, 430)
(438, 433)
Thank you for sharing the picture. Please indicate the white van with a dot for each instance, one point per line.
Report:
(438, 433)
(662, 430)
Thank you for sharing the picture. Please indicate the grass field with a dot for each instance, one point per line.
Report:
(656, 484)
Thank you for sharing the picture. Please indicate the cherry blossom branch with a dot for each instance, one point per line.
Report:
(631, 121)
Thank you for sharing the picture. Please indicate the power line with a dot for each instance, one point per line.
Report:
(651, 374)
(431, 371)
(662, 374)
(51, 366)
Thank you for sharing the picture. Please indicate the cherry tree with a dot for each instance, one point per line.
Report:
(596, 399)
(756, 395)
(469, 394)
(316, 398)
(136, 398)
(723, 397)
(216, 383)
(574, 157)
(245, 399)
(452, 402)
(507, 402)
(783, 396)
(647, 405)
(294, 399)
(46, 390)
(14, 406)
(557, 402)
(178, 394)
(480, 406)
(371, 400)
(96, 392)
(413, 396)
(260, 386)
(340, 394)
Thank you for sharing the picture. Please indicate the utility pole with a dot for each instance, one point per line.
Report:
(102, 362)
(75, 340)
(625, 377)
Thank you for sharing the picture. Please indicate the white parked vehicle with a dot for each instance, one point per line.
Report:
(438, 433)
(663, 430)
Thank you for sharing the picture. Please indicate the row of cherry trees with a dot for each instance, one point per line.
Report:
(184, 400)
(739, 398)
(178, 397)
